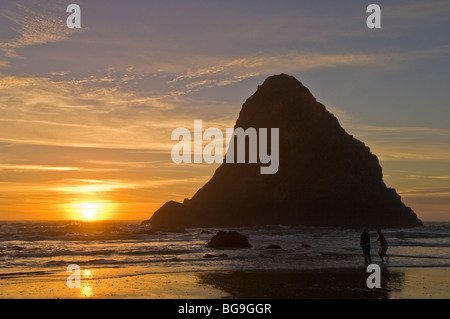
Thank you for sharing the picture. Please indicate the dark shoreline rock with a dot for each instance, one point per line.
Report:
(215, 256)
(228, 240)
(272, 246)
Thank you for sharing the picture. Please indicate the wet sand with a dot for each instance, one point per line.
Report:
(110, 283)
(396, 283)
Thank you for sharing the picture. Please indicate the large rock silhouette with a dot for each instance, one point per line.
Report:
(326, 177)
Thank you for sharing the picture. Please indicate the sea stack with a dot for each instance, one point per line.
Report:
(326, 177)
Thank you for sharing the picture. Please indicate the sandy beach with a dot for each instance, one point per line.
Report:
(397, 283)
(110, 283)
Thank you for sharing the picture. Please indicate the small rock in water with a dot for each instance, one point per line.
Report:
(214, 256)
(228, 239)
(272, 246)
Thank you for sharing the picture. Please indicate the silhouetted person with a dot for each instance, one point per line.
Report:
(383, 245)
(365, 245)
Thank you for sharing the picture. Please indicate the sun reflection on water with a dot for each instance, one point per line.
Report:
(86, 289)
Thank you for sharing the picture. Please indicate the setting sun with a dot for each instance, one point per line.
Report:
(90, 211)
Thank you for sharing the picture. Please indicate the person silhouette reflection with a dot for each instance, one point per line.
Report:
(365, 245)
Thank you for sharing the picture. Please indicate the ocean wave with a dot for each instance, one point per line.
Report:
(57, 253)
(121, 244)
(44, 236)
(105, 252)
(154, 252)
(104, 261)
(419, 235)
(421, 244)
(24, 274)
(73, 231)
(421, 257)
(413, 265)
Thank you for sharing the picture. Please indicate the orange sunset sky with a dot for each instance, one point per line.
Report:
(86, 114)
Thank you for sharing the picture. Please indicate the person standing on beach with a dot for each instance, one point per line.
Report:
(365, 245)
(383, 245)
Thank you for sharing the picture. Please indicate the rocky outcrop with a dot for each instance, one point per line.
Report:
(215, 256)
(228, 240)
(326, 177)
(271, 246)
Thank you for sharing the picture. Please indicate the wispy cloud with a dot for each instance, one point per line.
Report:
(97, 112)
(422, 9)
(429, 192)
(443, 177)
(33, 27)
(36, 167)
(230, 71)
(23, 167)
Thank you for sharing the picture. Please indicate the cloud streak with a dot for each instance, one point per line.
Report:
(230, 71)
(33, 28)
(410, 10)
(22, 167)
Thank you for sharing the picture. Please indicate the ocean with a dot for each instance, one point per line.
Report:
(35, 248)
